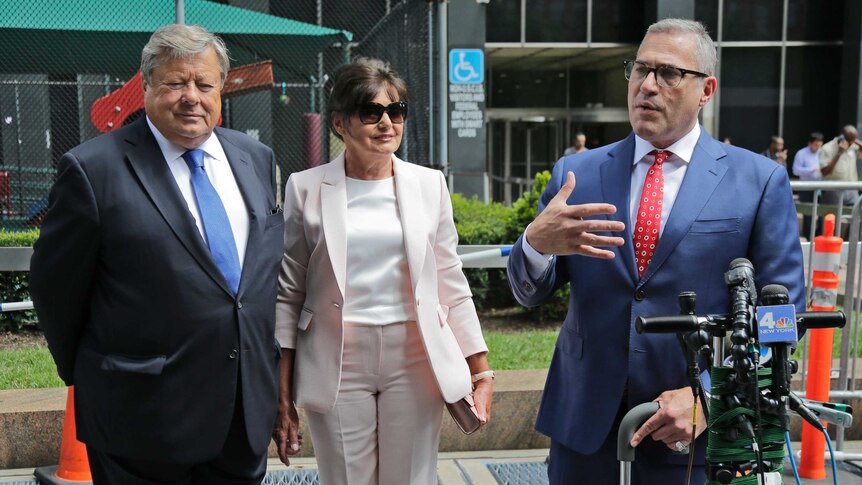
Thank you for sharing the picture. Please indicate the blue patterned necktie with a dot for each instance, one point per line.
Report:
(217, 228)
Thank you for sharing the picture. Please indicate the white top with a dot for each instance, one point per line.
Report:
(378, 289)
(806, 164)
(221, 176)
(673, 169)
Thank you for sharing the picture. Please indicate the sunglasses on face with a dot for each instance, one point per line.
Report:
(370, 113)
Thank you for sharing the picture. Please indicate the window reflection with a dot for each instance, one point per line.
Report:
(749, 95)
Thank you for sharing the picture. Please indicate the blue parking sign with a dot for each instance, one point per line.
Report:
(466, 66)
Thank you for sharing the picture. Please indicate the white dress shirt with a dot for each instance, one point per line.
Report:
(673, 169)
(221, 176)
(806, 164)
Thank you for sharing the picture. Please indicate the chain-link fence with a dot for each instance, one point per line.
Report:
(68, 73)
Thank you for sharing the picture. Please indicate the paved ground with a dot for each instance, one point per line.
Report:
(515, 467)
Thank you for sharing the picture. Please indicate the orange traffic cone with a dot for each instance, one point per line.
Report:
(74, 466)
(826, 262)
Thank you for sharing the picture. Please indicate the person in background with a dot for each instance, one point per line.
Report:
(580, 145)
(806, 166)
(628, 226)
(171, 233)
(838, 162)
(375, 318)
(776, 151)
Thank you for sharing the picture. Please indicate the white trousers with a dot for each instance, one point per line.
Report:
(385, 427)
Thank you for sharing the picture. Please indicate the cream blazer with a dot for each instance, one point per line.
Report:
(313, 273)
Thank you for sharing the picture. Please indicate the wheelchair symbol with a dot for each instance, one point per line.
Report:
(466, 66)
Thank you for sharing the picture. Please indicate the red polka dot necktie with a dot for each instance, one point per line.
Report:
(649, 213)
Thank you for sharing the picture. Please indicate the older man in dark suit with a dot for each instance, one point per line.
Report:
(155, 281)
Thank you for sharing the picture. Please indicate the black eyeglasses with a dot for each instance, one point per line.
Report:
(665, 76)
(370, 113)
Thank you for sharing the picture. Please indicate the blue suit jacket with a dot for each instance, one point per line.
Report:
(732, 204)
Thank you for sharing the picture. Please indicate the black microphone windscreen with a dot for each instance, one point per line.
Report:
(774, 295)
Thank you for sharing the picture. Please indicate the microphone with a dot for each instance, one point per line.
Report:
(776, 326)
(669, 324)
(740, 281)
(821, 319)
(741, 273)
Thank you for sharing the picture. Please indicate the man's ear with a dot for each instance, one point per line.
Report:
(710, 84)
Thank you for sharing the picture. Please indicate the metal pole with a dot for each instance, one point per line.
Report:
(849, 303)
(442, 91)
(180, 6)
(783, 74)
(431, 138)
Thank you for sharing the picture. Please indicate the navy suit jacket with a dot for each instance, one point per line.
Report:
(731, 204)
(137, 314)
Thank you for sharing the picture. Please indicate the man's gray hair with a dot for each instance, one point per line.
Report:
(704, 49)
(178, 41)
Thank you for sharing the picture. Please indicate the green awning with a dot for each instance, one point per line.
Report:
(67, 37)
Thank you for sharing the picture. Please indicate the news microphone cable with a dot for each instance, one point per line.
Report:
(727, 448)
(831, 456)
(792, 458)
(691, 444)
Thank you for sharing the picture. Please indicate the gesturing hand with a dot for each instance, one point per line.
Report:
(561, 230)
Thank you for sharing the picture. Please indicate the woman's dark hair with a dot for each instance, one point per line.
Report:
(358, 83)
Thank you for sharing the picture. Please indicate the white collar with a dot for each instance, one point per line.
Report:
(172, 151)
(682, 148)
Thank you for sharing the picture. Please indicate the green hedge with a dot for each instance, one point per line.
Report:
(480, 223)
(476, 222)
(13, 284)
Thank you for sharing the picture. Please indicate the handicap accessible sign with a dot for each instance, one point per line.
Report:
(466, 66)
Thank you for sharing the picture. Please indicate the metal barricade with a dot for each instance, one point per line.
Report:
(495, 256)
(848, 357)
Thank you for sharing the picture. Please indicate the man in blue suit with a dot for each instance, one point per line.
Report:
(663, 211)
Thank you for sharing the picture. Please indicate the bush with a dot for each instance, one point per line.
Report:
(480, 223)
(14, 285)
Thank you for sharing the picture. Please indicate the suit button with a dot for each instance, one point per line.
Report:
(232, 354)
(239, 305)
(527, 287)
(640, 295)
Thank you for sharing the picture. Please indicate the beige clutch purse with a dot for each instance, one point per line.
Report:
(464, 413)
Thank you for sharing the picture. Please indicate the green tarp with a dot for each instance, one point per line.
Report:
(67, 37)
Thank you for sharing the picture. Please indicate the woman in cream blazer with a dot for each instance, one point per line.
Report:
(375, 318)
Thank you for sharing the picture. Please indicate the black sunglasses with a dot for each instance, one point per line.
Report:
(370, 113)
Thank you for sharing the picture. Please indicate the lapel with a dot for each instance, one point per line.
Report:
(701, 178)
(616, 172)
(149, 165)
(408, 197)
(249, 186)
(333, 207)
